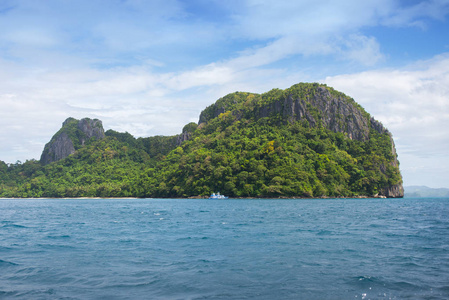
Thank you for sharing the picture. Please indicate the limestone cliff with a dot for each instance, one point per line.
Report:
(320, 105)
(90, 128)
(73, 135)
(395, 190)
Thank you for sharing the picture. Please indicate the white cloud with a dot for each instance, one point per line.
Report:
(362, 49)
(333, 28)
(274, 18)
(310, 28)
(207, 75)
(413, 15)
(31, 37)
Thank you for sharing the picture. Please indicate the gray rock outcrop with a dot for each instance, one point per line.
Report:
(396, 190)
(70, 137)
(187, 133)
(181, 138)
(90, 128)
(320, 106)
(60, 147)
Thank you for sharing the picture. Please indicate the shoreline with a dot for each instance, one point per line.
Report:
(203, 197)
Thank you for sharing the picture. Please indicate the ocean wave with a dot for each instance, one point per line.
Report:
(6, 224)
(5, 264)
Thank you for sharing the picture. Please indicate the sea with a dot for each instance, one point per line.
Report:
(224, 249)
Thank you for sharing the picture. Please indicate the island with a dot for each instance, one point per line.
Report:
(307, 141)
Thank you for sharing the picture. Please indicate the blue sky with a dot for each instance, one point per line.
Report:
(150, 67)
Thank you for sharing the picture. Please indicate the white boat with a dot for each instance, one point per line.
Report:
(217, 196)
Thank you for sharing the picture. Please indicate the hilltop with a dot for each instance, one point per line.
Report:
(306, 141)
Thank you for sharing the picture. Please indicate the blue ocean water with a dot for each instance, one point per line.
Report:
(224, 249)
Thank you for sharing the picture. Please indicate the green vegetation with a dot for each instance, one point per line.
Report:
(233, 151)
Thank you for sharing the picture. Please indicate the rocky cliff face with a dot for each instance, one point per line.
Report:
(320, 106)
(396, 190)
(70, 137)
(60, 147)
(187, 133)
(334, 111)
(181, 138)
(90, 128)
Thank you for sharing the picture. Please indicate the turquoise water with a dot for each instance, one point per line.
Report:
(224, 249)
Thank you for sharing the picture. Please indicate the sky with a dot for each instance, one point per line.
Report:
(150, 67)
